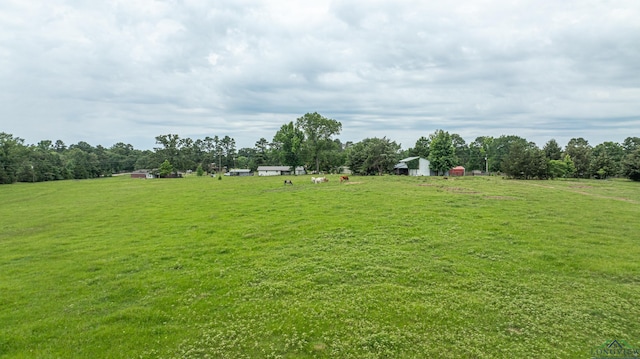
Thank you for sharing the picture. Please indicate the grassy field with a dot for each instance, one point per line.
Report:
(382, 267)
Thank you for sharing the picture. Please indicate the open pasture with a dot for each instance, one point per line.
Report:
(377, 267)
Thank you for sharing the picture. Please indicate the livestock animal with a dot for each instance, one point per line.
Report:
(315, 180)
(288, 182)
(344, 178)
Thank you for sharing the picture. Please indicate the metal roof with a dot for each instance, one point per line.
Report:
(409, 159)
(274, 168)
(239, 170)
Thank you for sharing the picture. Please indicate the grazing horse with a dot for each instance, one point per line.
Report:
(344, 178)
(288, 182)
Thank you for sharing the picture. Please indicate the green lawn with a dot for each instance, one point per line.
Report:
(381, 267)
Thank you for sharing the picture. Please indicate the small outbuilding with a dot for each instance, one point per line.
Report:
(457, 171)
(242, 172)
(142, 174)
(274, 170)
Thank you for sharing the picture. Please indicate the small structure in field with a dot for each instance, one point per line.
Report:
(142, 174)
(278, 170)
(345, 170)
(456, 171)
(414, 166)
(239, 172)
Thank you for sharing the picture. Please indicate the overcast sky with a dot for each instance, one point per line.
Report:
(129, 70)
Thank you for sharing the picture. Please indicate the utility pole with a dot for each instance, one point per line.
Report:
(486, 161)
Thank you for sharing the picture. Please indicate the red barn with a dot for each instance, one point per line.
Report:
(456, 171)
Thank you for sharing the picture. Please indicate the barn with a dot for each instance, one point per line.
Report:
(456, 171)
(274, 170)
(414, 166)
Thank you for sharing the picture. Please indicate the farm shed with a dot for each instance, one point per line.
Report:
(239, 172)
(456, 171)
(142, 174)
(414, 166)
(274, 170)
(345, 170)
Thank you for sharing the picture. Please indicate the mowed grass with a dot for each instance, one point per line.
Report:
(381, 267)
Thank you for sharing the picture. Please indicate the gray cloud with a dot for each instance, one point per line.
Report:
(104, 72)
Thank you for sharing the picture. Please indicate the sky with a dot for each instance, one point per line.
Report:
(127, 71)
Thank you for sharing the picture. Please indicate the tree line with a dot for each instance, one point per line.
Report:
(311, 142)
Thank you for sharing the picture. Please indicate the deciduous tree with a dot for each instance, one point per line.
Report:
(441, 152)
(373, 156)
(318, 131)
(421, 148)
(289, 141)
(631, 165)
(580, 152)
(552, 150)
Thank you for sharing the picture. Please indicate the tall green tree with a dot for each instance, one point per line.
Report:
(373, 156)
(12, 156)
(289, 141)
(247, 158)
(82, 164)
(187, 154)
(552, 150)
(262, 152)
(47, 164)
(105, 165)
(499, 148)
(460, 150)
(421, 148)
(606, 160)
(580, 152)
(334, 158)
(165, 168)
(479, 153)
(59, 146)
(442, 155)
(318, 131)
(228, 145)
(630, 144)
(123, 157)
(170, 150)
(146, 160)
(631, 165)
(525, 161)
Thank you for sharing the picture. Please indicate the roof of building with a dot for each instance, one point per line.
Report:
(239, 170)
(409, 159)
(274, 168)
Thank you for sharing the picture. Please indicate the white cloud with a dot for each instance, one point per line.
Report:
(104, 72)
